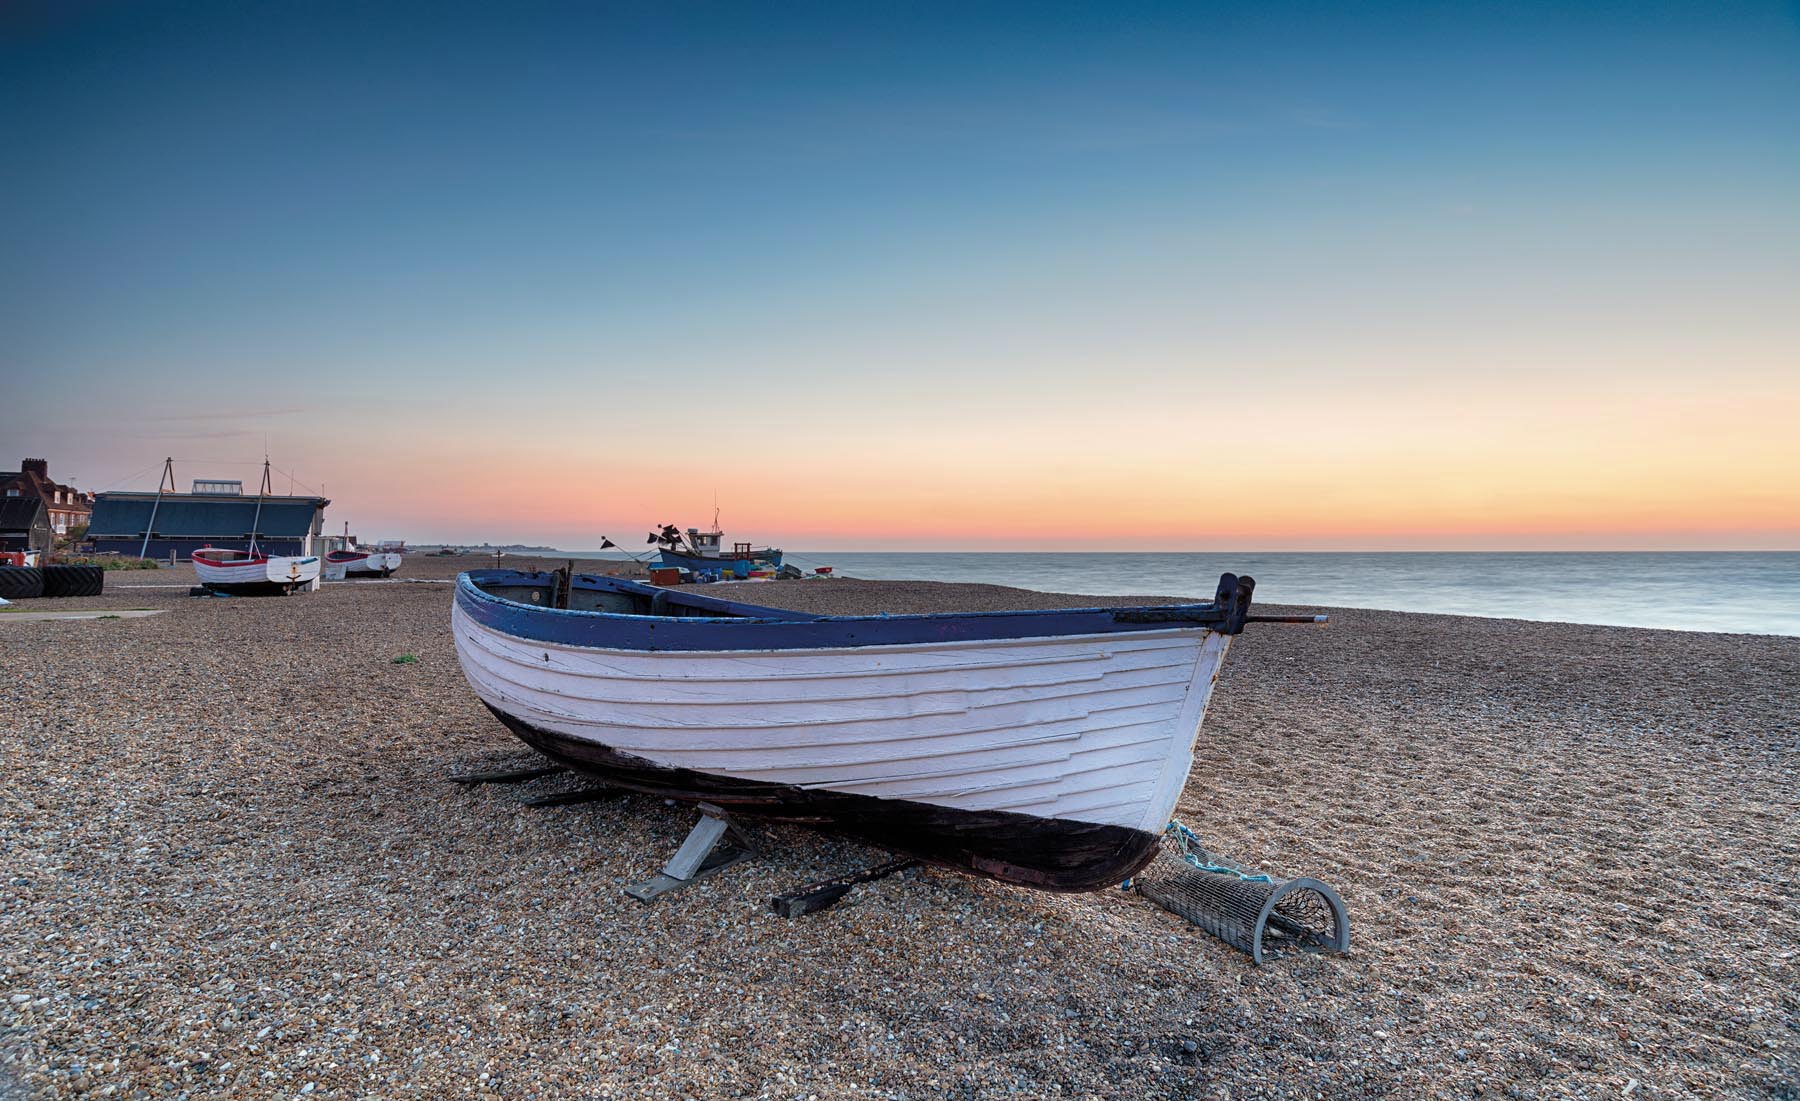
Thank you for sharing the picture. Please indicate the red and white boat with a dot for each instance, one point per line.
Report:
(382, 563)
(236, 571)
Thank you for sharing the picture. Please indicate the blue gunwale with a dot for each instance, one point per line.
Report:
(755, 627)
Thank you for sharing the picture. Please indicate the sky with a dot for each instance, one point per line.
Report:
(976, 276)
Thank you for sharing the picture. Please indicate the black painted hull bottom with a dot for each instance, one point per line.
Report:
(1049, 854)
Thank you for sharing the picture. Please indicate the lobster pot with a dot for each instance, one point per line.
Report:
(1265, 917)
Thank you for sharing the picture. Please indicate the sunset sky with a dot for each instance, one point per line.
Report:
(1165, 277)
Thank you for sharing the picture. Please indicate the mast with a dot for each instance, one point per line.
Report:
(261, 492)
(168, 475)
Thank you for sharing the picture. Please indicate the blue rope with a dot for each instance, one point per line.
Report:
(1187, 843)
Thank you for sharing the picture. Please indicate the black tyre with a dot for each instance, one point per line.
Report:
(73, 580)
(21, 582)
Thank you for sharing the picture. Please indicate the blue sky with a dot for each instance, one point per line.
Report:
(835, 238)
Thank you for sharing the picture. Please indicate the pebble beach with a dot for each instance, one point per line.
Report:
(233, 867)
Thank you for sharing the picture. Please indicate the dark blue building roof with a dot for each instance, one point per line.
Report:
(21, 513)
(191, 516)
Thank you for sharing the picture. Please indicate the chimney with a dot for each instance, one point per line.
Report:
(40, 467)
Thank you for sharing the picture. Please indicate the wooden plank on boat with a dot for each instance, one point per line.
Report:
(825, 894)
(579, 795)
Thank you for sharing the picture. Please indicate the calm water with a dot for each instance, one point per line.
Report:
(1743, 592)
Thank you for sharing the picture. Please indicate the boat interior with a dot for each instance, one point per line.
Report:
(226, 555)
(582, 592)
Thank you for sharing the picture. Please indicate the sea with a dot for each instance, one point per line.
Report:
(1748, 592)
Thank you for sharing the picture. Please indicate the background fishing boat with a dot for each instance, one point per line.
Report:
(228, 570)
(704, 552)
(366, 562)
(1044, 748)
(243, 572)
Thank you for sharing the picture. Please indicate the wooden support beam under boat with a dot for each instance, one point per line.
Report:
(579, 795)
(714, 844)
(505, 776)
(826, 893)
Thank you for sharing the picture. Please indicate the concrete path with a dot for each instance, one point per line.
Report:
(123, 613)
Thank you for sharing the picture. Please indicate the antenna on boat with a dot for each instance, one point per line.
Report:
(261, 492)
(168, 476)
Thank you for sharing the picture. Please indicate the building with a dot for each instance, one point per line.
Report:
(66, 508)
(217, 514)
(24, 524)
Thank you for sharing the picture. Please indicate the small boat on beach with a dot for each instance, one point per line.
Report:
(226, 570)
(244, 572)
(1041, 748)
(358, 561)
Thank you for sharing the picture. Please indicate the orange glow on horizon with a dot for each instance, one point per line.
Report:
(1408, 464)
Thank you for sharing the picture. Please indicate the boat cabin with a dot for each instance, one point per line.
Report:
(705, 543)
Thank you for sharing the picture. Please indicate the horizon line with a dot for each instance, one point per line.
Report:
(1235, 550)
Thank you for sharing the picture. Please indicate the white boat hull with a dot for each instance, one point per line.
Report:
(271, 574)
(1095, 729)
(381, 563)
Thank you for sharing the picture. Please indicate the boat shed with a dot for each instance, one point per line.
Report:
(181, 523)
(24, 524)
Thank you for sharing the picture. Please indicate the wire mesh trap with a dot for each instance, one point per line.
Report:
(1254, 913)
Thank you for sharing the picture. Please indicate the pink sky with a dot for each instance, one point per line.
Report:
(1546, 465)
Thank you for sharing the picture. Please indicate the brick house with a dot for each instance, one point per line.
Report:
(66, 507)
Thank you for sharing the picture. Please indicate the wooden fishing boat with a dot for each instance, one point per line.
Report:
(703, 552)
(1043, 748)
(226, 570)
(378, 563)
(244, 572)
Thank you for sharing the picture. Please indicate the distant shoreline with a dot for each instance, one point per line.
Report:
(1730, 592)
